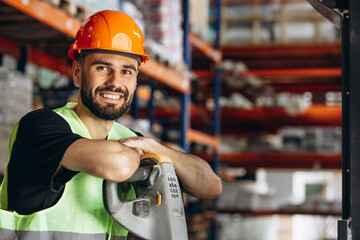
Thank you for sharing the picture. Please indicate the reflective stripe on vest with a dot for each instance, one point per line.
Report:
(79, 213)
(6, 234)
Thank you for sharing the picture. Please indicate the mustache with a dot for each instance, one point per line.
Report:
(113, 89)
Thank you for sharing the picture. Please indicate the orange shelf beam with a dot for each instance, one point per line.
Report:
(302, 87)
(287, 210)
(273, 119)
(48, 14)
(318, 113)
(285, 72)
(36, 57)
(253, 160)
(257, 2)
(204, 139)
(284, 160)
(50, 62)
(261, 117)
(9, 47)
(207, 49)
(296, 72)
(143, 93)
(166, 76)
(315, 113)
(292, 50)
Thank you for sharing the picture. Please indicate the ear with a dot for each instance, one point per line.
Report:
(76, 70)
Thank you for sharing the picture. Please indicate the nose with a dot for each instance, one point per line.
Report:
(115, 79)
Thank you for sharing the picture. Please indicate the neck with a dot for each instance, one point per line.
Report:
(97, 127)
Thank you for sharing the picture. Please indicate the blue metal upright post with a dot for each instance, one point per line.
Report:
(121, 6)
(185, 123)
(134, 106)
(21, 64)
(151, 104)
(217, 111)
(217, 85)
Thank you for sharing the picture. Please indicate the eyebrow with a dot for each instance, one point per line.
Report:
(131, 66)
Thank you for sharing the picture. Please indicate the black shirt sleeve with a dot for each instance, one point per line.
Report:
(41, 141)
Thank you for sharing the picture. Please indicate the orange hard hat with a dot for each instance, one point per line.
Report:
(109, 30)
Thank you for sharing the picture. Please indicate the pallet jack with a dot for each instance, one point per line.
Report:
(158, 211)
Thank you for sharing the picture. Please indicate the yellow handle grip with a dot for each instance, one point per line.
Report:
(158, 158)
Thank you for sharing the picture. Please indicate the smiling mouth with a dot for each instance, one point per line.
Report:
(111, 96)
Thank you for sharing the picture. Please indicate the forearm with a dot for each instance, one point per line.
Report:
(195, 174)
(110, 160)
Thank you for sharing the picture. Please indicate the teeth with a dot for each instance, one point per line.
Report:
(112, 96)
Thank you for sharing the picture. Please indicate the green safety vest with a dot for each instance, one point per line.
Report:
(79, 214)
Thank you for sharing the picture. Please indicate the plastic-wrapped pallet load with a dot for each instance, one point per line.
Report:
(199, 18)
(163, 30)
(136, 13)
(311, 139)
(15, 101)
(237, 227)
(95, 5)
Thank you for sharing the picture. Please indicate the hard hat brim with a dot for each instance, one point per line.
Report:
(74, 53)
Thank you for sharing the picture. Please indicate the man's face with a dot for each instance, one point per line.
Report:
(108, 83)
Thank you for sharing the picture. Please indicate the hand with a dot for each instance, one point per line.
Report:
(140, 144)
(189, 168)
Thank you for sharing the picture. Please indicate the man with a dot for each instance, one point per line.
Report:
(81, 144)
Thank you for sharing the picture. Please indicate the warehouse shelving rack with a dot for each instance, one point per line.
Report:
(267, 60)
(284, 66)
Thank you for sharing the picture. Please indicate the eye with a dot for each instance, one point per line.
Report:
(127, 72)
(102, 68)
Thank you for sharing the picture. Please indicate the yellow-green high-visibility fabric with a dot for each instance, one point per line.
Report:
(79, 214)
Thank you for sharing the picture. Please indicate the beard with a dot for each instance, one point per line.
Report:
(110, 111)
